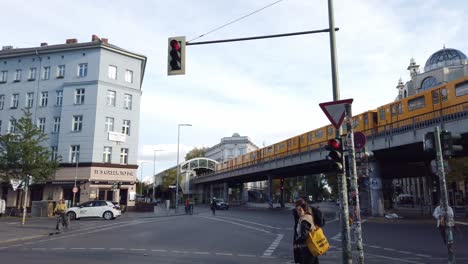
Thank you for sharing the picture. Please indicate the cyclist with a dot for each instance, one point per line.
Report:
(191, 205)
(60, 210)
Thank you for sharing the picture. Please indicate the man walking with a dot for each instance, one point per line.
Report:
(440, 215)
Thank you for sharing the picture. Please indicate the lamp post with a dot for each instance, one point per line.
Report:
(76, 175)
(141, 176)
(178, 167)
(154, 169)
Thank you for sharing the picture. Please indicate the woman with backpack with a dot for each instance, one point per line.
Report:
(303, 226)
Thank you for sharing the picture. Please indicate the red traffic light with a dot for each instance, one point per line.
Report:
(282, 180)
(175, 45)
(334, 143)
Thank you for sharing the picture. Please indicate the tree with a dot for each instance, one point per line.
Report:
(22, 152)
(169, 178)
(196, 153)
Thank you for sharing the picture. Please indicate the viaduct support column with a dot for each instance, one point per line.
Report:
(376, 193)
(225, 192)
(270, 190)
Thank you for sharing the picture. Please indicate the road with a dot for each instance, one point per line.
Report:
(234, 236)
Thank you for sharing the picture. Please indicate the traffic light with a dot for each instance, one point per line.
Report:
(450, 143)
(282, 183)
(429, 143)
(335, 156)
(176, 56)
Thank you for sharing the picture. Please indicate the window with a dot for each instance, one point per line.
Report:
(14, 101)
(382, 114)
(77, 124)
(12, 126)
(53, 151)
(109, 125)
(44, 98)
(56, 124)
(112, 72)
(106, 156)
(41, 124)
(29, 100)
(74, 153)
(355, 122)
(393, 107)
(3, 77)
(310, 137)
(318, 134)
(416, 103)
(444, 94)
(428, 83)
(126, 127)
(129, 76)
(60, 71)
(128, 101)
(59, 98)
(0, 127)
(400, 108)
(366, 119)
(46, 73)
(18, 75)
(32, 74)
(111, 97)
(82, 69)
(79, 96)
(124, 156)
(2, 101)
(461, 89)
(435, 97)
(329, 131)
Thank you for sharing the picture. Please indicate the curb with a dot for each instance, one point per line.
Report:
(22, 238)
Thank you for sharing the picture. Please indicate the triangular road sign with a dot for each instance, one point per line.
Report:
(335, 111)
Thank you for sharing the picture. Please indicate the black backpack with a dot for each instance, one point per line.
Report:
(319, 220)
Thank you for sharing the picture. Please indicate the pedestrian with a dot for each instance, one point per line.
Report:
(442, 222)
(186, 205)
(305, 224)
(213, 206)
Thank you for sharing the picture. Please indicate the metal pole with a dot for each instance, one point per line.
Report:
(154, 171)
(444, 202)
(76, 173)
(26, 184)
(354, 186)
(141, 179)
(345, 234)
(178, 170)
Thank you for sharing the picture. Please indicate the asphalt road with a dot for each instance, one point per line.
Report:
(234, 236)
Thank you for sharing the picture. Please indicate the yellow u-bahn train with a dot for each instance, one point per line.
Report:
(443, 101)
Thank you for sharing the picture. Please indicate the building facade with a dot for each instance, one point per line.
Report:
(86, 98)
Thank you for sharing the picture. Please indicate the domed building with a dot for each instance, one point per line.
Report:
(443, 66)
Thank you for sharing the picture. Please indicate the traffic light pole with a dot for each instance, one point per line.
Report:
(444, 200)
(354, 185)
(342, 188)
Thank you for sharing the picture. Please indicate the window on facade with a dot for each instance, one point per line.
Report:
(428, 83)
(111, 97)
(79, 96)
(53, 151)
(444, 94)
(14, 101)
(129, 76)
(59, 98)
(416, 103)
(12, 126)
(124, 156)
(2, 101)
(74, 153)
(56, 124)
(319, 134)
(106, 155)
(109, 125)
(382, 114)
(41, 124)
(46, 74)
(128, 101)
(461, 89)
(18, 75)
(44, 98)
(29, 100)
(112, 72)
(32, 74)
(60, 71)
(77, 123)
(3, 76)
(126, 127)
(82, 69)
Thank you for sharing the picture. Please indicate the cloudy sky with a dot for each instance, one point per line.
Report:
(269, 89)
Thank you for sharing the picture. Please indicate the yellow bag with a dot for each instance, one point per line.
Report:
(317, 243)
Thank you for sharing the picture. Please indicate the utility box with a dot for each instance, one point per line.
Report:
(40, 208)
(2, 206)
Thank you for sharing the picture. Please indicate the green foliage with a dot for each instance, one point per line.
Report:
(196, 153)
(459, 169)
(22, 153)
(169, 178)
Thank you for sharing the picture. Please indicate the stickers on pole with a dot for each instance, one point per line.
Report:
(335, 111)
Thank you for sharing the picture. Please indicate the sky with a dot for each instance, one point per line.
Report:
(268, 90)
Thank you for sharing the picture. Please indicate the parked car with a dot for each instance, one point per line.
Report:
(221, 204)
(104, 209)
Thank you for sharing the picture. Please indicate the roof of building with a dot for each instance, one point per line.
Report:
(445, 57)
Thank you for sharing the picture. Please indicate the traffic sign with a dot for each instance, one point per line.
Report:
(359, 140)
(75, 189)
(335, 111)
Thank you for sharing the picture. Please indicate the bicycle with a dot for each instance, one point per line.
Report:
(62, 222)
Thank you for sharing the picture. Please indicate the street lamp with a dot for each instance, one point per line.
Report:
(141, 176)
(154, 169)
(178, 167)
(76, 175)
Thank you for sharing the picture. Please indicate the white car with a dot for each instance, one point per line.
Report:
(104, 209)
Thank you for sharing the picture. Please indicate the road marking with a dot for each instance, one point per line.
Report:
(137, 249)
(97, 248)
(224, 254)
(250, 222)
(424, 256)
(388, 249)
(374, 246)
(234, 223)
(77, 248)
(38, 249)
(201, 253)
(159, 250)
(247, 255)
(58, 248)
(397, 259)
(461, 223)
(116, 248)
(404, 252)
(269, 251)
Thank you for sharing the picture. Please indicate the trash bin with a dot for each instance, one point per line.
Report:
(168, 204)
(2, 206)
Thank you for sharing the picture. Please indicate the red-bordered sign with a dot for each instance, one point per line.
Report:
(359, 140)
(335, 111)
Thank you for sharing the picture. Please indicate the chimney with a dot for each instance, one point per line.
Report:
(94, 38)
(71, 41)
(104, 40)
(43, 44)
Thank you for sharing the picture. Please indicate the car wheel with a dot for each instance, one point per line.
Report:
(108, 215)
(71, 215)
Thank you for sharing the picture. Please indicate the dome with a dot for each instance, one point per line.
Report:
(445, 57)
(235, 135)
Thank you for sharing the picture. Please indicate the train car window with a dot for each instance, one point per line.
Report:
(400, 108)
(416, 103)
(289, 143)
(435, 97)
(343, 127)
(461, 89)
(309, 137)
(374, 118)
(318, 134)
(394, 110)
(366, 119)
(329, 131)
(302, 139)
(444, 94)
(282, 146)
(294, 141)
(355, 122)
(382, 114)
